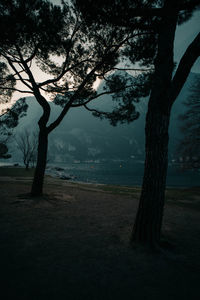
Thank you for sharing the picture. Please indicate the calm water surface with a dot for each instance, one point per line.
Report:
(119, 173)
(124, 173)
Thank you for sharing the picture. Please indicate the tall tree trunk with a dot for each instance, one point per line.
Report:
(148, 222)
(37, 185)
(147, 227)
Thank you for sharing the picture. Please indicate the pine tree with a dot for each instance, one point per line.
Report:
(57, 40)
(162, 18)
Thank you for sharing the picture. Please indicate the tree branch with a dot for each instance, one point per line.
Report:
(143, 11)
(64, 71)
(159, 12)
(30, 58)
(15, 90)
(101, 94)
(132, 69)
(184, 67)
(96, 111)
(73, 98)
(40, 99)
(82, 85)
(16, 72)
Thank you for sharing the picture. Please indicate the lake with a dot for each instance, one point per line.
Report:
(123, 173)
(117, 172)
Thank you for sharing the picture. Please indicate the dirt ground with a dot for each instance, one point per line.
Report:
(74, 244)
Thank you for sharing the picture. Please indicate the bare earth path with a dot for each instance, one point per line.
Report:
(74, 244)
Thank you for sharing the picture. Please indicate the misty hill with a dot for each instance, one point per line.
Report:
(81, 136)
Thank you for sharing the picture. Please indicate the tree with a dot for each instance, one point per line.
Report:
(189, 146)
(6, 80)
(9, 120)
(165, 90)
(4, 136)
(4, 151)
(37, 34)
(162, 17)
(27, 144)
(5, 96)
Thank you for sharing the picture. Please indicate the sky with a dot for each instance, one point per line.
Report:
(184, 35)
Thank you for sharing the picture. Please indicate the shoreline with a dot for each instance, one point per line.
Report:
(23, 173)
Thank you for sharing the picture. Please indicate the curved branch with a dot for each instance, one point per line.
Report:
(101, 94)
(184, 68)
(93, 110)
(64, 71)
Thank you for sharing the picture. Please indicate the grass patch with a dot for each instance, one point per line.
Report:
(113, 189)
(16, 172)
(133, 191)
(183, 197)
(180, 193)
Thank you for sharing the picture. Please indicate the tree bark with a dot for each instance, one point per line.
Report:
(37, 185)
(147, 227)
(38, 180)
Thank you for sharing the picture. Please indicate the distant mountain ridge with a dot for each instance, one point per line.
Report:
(82, 137)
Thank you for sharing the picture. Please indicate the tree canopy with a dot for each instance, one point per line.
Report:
(132, 14)
(72, 54)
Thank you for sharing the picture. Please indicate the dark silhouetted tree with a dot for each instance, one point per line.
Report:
(4, 150)
(162, 17)
(36, 34)
(27, 144)
(8, 121)
(8, 81)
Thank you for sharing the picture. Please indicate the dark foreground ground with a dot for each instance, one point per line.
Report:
(74, 244)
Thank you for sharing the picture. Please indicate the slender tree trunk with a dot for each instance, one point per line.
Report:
(147, 227)
(37, 185)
